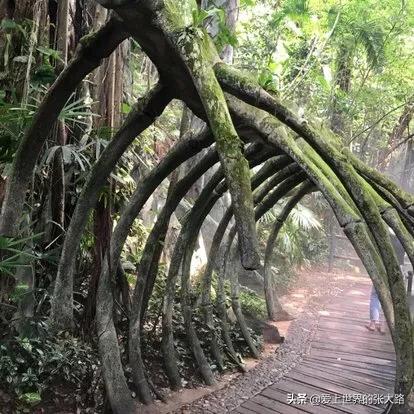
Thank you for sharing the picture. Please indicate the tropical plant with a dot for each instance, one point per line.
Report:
(15, 254)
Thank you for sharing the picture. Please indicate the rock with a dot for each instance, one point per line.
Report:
(270, 332)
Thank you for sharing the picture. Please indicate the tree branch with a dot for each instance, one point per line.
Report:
(92, 49)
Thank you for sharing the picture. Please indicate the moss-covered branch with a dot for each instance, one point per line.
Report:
(199, 54)
(91, 50)
(183, 250)
(142, 115)
(274, 309)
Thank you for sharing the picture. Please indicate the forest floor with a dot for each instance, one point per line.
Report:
(305, 301)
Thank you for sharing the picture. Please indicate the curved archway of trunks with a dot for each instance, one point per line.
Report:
(249, 127)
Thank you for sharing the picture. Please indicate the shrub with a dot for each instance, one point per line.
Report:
(32, 371)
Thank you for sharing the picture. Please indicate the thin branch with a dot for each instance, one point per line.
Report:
(375, 123)
(318, 52)
(407, 138)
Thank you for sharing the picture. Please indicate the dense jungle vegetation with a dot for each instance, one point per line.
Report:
(156, 157)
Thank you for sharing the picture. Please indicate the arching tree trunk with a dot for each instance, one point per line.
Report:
(88, 56)
(191, 70)
(275, 311)
(137, 121)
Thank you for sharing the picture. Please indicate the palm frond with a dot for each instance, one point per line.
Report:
(304, 218)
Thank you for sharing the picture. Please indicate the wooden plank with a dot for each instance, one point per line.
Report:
(349, 325)
(354, 342)
(351, 329)
(323, 384)
(344, 359)
(365, 381)
(352, 335)
(341, 338)
(350, 320)
(332, 323)
(243, 410)
(344, 380)
(357, 301)
(359, 312)
(354, 350)
(355, 334)
(345, 322)
(277, 405)
(356, 347)
(341, 315)
(290, 386)
(307, 408)
(349, 357)
(378, 368)
(351, 364)
(346, 356)
(360, 374)
(251, 405)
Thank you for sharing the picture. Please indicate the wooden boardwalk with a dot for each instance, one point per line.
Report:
(345, 371)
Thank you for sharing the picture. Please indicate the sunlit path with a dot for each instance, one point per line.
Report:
(346, 365)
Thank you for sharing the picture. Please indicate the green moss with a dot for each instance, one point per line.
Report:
(238, 80)
(86, 40)
(320, 173)
(180, 13)
(402, 196)
(199, 54)
(327, 171)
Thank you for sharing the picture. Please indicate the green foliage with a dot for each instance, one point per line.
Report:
(252, 304)
(49, 53)
(295, 47)
(10, 25)
(16, 253)
(296, 9)
(13, 121)
(44, 74)
(135, 244)
(239, 343)
(296, 238)
(157, 297)
(32, 370)
(215, 16)
(359, 27)
(267, 79)
(247, 3)
(250, 301)
(31, 398)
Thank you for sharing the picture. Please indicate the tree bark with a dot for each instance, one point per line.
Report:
(138, 120)
(148, 267)
(367, 207)
(91, 50)
(113, 373)
(177, 46)
(275, 311)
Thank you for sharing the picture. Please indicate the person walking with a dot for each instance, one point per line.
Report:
(375, 313)
(374, 302)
